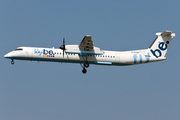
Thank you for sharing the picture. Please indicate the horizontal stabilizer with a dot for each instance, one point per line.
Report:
(166, 33)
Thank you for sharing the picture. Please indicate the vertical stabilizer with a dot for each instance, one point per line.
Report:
(160, 45)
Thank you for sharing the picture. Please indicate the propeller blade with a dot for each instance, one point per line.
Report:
(64, 41)
(62, 47)
(63, 53)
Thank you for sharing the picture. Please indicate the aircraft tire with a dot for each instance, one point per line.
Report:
(12, 62)
(84, 71)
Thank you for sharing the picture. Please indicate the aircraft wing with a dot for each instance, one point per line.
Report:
(84, 48)
(86, 44)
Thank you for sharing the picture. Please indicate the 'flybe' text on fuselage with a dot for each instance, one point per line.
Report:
(44, 52)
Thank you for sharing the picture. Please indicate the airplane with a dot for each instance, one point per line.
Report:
(86, 53)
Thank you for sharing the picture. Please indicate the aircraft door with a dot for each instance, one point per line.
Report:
(29, 52)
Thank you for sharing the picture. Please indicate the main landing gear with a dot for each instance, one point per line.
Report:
(12, 62)
(84, 66)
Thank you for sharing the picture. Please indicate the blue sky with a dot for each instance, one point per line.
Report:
(44, 90)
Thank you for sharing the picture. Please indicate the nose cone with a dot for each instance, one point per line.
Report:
(8, 55)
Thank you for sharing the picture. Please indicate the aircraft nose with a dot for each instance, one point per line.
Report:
(8, 55)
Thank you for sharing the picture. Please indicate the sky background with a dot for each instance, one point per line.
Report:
(55, 91)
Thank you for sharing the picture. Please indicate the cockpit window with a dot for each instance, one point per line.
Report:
(18, 49)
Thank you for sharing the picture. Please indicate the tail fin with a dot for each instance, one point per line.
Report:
(160, 45)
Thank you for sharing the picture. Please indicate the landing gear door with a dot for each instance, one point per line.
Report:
(117, 58)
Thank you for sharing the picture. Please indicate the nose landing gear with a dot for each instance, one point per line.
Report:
(12, 62)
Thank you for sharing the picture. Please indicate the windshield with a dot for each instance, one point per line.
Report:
(18, 49)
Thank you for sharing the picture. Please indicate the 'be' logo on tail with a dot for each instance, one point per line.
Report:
(162, 46)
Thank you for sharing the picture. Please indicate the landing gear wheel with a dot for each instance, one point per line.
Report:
(12, 62)
(84, 70)
(86, 64)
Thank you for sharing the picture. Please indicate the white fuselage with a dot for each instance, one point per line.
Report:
(107, 58)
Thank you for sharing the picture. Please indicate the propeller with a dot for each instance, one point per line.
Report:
(62, 47)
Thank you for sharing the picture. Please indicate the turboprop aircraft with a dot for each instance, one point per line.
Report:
(85, 53)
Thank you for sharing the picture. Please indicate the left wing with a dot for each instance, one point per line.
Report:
(86, 44)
